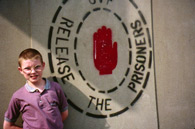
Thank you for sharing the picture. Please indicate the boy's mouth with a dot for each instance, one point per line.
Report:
(34, 76)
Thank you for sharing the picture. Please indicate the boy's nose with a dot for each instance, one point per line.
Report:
(33, 70)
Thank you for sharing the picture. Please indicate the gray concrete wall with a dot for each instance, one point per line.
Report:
(26, 23)
(174, 29)
(15, 35)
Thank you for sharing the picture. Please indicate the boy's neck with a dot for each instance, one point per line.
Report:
(39, 85)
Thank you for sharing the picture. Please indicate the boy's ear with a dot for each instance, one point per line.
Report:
(20, 69)
(43, 64)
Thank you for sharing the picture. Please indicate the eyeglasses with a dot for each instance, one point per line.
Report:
(37, 68)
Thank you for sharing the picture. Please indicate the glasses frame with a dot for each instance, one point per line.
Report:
(36, 68)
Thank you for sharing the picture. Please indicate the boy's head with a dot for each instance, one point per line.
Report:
(31, 65)
(31, 54)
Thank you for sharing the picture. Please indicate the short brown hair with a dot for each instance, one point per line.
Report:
(29, 53)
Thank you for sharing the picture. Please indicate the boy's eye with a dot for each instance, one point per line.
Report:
(27, 68)
(38, 67)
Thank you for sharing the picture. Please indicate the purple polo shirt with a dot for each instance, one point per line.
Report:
(39, 110)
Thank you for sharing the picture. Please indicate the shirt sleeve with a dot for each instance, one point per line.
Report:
(13, 110)
(63, 104)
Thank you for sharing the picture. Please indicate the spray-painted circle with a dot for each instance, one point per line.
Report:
(70, 49)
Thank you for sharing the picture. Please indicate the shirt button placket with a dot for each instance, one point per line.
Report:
(40, 102)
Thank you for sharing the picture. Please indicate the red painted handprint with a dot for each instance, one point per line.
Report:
(104, 53)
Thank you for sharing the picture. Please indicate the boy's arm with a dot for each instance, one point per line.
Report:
(64, 115)
(10, 125)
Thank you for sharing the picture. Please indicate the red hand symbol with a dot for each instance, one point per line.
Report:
(104, 53)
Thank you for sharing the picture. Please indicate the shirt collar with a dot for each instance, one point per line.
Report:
(31, 89)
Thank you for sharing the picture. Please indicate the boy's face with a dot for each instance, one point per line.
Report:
(32, 70)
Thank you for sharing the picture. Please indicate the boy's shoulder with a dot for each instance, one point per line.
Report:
(20, 91)
(54, 84)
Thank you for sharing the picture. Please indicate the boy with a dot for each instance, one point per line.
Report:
(41, 102)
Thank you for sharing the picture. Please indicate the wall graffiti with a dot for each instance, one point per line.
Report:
(104, 53)
(81, 52)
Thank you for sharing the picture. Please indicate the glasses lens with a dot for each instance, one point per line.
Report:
(29, 69)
